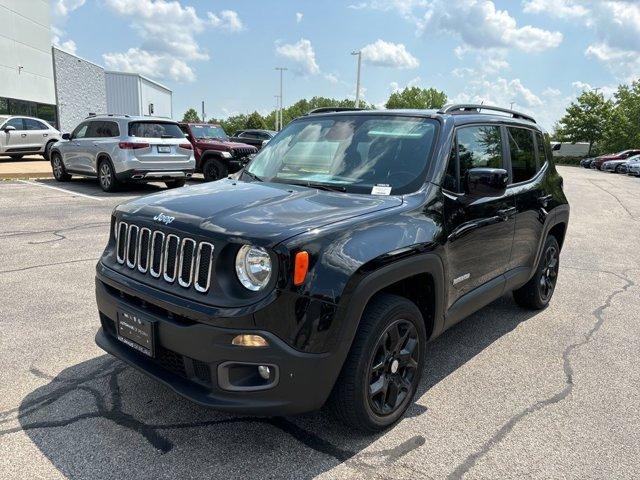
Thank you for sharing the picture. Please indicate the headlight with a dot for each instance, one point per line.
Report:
(226, 154)
(253, 267)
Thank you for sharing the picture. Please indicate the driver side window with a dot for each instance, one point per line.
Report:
(80, 131)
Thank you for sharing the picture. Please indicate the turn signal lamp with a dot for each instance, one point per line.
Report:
(246, 340)
(301, 266)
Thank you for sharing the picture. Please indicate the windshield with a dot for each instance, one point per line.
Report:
(208, 131)
(155, 130)
(385, 154)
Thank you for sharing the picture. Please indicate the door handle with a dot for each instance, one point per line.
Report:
(543, 201)
(23, 135)
(507, 213)
(45, 134)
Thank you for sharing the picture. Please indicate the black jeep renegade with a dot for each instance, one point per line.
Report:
(322, 271)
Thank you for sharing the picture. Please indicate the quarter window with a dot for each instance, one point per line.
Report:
(523, 156)
(542, 154)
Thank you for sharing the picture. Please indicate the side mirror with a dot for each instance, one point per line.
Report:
(486, 182)
(66, 136)
(9, 128)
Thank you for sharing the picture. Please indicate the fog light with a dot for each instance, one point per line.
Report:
(264, 371)
(245, 340)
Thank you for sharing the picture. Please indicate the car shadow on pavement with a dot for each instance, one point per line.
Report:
(89, 186)
(103, 419)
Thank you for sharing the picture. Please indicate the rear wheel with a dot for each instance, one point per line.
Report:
(57, 165)
(537, 292)
(214, 169)
(175, 183)
(107, 176)
(381, 373)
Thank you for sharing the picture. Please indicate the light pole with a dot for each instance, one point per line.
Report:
(277, 112)
(359, 54)
(511, 107)
(282, 69)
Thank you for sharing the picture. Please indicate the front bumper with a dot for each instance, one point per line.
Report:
(193, 359)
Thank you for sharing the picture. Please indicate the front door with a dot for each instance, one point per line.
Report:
(71, 151)
(15, 141)
(479, 230)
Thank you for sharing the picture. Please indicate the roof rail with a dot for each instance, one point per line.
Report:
(333, 109)
(474, 108)
(92, 115)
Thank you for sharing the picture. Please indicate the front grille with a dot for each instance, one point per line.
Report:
(165, 256)
(243, 152)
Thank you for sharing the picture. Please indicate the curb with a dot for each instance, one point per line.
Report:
(23, 175)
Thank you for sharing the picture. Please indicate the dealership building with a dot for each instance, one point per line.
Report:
(48, 82)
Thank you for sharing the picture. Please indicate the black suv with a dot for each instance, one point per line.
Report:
(321, 272)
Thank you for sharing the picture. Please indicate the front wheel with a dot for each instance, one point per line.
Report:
(107, 177)
(175, 183)
(214, 169)
(59, 172)
(537, 292)
(381, 373)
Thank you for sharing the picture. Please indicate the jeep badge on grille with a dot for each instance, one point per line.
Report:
(166, 219)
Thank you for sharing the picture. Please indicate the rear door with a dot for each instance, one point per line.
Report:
(37, 134)
(531, 190)
(479, 231)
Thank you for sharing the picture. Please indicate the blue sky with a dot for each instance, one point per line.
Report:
(538, 54)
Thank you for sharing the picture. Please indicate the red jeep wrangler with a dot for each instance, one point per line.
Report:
(216, 156)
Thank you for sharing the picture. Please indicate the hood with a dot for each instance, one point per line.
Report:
(220, 144)
(266, 213)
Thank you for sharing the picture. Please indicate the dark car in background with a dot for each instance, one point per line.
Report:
(216, 154)
(320, 274)
(586, 162)
(254, 137)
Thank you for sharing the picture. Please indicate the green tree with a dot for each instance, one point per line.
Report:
(255, 120)
(416, 97)
(191, 116)
(586, 119)
(622, 131)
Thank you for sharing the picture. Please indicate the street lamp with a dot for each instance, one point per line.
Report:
(277, 112)
(359, 54)
(282, 69)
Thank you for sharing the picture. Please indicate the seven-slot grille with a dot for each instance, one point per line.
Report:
(241, 152)
(167, 256)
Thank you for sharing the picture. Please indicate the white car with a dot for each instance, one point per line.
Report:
(21, 136)
(634, 169)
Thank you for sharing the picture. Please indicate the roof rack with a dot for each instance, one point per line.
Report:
(333, 109)
(92, 115)
(474, 108)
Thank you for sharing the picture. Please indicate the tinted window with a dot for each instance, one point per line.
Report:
(355, 152)
(80, 131)
(16, 123)
(542, 154)
(523, 157)
(208, 131)
(451, 176)
(155, 130)
(107, 129)
(479, 147)
(92, 131)
(32, 124)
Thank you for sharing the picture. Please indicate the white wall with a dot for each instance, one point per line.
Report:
(123, 95)
(152, 93)
(25, 40)
(80, 89)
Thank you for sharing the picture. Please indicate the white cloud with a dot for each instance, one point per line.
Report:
(65, 7)
(299, 16)
(61, 11)
(227, 20)
(387, 54)
(168, 31)
(332, 78)
(556, 8)
(302, 54)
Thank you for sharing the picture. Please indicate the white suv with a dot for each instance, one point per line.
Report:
(123, 148)
(21, 136)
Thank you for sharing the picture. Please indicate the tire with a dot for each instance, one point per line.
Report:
(16, 157)
(372, 362)
(175, 183)
(107, 176)
(213, 169)
(537, 292)
(57, 165)
(47, 151)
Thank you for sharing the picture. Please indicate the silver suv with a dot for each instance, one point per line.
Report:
(21, 136)
(122, 148)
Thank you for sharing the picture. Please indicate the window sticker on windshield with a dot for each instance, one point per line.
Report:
(381, 189)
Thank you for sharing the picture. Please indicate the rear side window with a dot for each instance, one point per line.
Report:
(523, 155)
(32, 124)
(107, 130)
(155, 130)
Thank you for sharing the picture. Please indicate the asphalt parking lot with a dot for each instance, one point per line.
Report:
(506, 394)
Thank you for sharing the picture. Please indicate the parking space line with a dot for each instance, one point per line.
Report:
(70, 192)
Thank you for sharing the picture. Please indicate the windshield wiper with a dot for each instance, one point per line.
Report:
(326, 186)
(251, 175)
